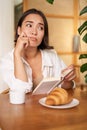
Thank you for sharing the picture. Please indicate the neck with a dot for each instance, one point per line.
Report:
(31, 53)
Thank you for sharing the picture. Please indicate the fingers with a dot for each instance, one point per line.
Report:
(72, 74)
(69, 68)
(72, 78)
(24, 39)
(23, 34)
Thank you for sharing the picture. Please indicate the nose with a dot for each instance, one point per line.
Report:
(34, 31)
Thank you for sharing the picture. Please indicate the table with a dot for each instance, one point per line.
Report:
(33, 116)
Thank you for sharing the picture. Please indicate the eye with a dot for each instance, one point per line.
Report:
(41, 28)
(28, 25)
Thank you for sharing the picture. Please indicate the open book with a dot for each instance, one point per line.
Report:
(45, 86)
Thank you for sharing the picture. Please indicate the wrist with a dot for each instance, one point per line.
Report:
(68, 84)
(17, 54)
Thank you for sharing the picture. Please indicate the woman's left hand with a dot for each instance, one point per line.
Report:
(68, 83)
(70, 76)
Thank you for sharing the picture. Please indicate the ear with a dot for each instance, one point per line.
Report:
(19, 30)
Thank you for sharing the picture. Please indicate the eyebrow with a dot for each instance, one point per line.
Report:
(32, 22)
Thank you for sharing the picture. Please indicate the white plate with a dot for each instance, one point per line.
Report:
(74, 103)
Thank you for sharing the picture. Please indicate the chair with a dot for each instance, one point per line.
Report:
(5, 91)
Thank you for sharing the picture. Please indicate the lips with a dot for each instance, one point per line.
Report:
(33, 39)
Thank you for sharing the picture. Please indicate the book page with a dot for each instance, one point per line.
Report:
(45, 86)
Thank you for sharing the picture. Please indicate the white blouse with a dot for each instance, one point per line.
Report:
(51, 67)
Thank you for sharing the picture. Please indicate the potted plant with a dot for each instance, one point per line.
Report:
(83, 30)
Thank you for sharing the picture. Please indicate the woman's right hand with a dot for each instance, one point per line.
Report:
(22, 44)
(19, 69)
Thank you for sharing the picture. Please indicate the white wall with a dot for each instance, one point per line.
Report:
(6, 26)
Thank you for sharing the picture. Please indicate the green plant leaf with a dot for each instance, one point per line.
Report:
(85, 78)
(85, 38)
(83, 56)
(82, 28)
(50, 1)
(83, 68)
(83, 11)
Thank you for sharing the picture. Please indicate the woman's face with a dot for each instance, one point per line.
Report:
(33, 28)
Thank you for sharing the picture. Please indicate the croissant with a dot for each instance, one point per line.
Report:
(59, 96)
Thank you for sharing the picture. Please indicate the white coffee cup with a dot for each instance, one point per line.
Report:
(17, 96)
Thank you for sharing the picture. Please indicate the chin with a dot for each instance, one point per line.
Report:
(33, 45)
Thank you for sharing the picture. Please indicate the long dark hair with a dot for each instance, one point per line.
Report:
(45, 42)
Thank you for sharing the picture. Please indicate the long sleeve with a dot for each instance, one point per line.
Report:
(7, 73)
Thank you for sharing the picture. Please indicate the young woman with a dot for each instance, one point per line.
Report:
(33, 59)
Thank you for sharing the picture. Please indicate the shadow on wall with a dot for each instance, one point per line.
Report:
(18, 10)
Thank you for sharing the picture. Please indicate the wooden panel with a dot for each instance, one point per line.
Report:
(61, 32)
(61, 8)
(75, 17)
(25, 5)
(68, 59)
